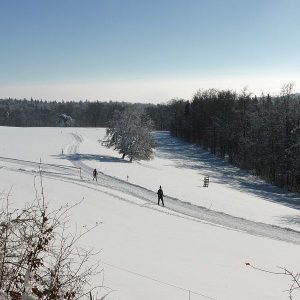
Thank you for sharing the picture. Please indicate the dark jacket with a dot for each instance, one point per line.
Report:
(160, 193)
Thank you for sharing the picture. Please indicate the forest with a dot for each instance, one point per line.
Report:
(260, 135)
(39, 113)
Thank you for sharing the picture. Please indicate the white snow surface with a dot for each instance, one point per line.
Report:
(199, 242)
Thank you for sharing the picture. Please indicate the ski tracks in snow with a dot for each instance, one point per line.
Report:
(133, 194)
(180, 208)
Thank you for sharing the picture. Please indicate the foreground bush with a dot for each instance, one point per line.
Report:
(39, 257)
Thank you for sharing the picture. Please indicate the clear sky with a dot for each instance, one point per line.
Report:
(146, 51)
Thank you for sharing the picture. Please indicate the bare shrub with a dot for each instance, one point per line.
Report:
(39, 256)
(294, 276)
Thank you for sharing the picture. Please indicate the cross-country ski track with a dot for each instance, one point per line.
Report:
(133, 194)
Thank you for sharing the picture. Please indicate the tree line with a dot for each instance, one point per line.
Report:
(260, 135)
(39, 113)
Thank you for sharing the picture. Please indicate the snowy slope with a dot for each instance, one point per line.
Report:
(180, 168)
(142, 242)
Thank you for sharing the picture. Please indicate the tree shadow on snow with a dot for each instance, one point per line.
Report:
(189, 156)
(99, 158)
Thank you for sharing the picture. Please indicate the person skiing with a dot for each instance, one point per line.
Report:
(95, 173)
(160, 195)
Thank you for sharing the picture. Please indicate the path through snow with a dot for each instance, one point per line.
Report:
(129, 192)
(178, 206)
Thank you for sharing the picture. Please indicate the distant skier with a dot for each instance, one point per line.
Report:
(160, 195)
(95, 173)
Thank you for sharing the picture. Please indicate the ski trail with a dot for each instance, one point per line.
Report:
(92, 185)
(185, 208)
(133, 194)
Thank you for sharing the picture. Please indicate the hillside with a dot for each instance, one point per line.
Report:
(200, 241)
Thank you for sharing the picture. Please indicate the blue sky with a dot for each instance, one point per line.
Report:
(146, 50)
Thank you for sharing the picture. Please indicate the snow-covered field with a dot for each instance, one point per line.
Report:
(199, 242)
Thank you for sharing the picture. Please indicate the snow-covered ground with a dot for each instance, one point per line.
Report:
(200, 241)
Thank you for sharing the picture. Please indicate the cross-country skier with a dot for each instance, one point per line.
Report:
(95, 173)
(160, 195)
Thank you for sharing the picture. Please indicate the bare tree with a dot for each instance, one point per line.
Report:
(39, 257)
(295, 279)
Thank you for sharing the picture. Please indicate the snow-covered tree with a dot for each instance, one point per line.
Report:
(129, 132)
(64, 120)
